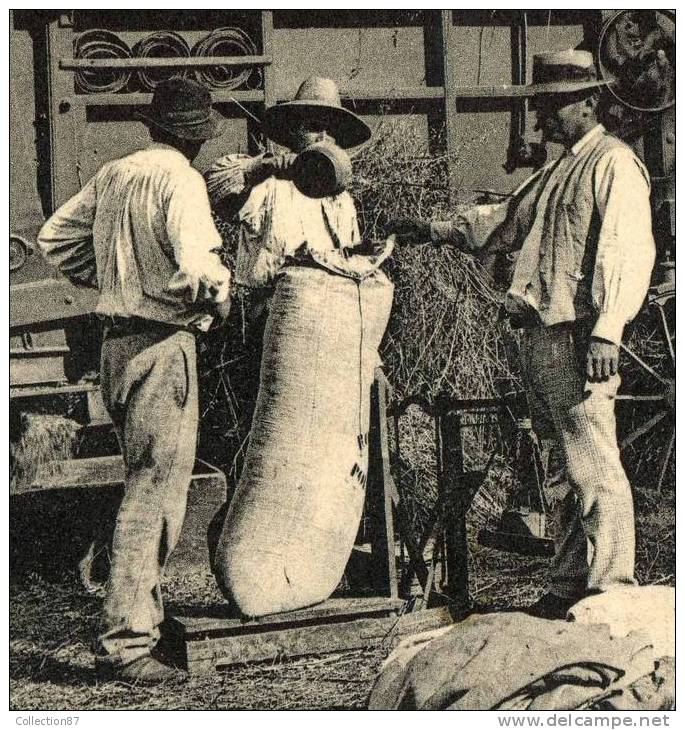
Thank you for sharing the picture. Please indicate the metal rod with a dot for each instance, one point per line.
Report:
(646, 426)
(667, 458)
(643, 364)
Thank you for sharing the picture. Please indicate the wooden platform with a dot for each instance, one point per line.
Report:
(210, 643)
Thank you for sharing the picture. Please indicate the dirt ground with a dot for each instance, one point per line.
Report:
(52, 625)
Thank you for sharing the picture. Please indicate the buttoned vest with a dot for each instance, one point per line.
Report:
(569, 228)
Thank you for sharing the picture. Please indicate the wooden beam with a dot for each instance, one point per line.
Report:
(409, 92)
(206, 653)
(267, 50)
(64, 171)
(137, 99)
(48, 301)
(450, 478)
(503, 91)
(178, 62)
(380, 489)
(219, 622)
(449, 63)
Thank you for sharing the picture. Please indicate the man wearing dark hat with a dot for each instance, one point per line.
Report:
(582, 227)
(141, 231)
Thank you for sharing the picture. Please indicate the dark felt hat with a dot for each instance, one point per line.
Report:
(317, 98)
(183, 107)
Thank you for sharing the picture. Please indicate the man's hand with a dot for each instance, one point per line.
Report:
(410, 230)
(602, 359)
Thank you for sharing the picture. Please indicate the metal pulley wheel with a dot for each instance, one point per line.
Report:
(19, 252)
(227, 42)
(637, 53)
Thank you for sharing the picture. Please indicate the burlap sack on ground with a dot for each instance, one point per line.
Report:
(291, 524)
(630, 608)
(514, 661)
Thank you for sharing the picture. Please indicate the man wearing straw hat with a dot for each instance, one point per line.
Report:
(283, 219)
(141, 231)
(582, 226)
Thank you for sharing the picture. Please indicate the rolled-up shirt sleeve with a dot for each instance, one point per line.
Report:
(232, 177)
(625, 249)
(195, 240)
(66, 238)
(472, 230)
(494, 227)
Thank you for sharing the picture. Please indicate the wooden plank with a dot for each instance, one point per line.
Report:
(98, 471)
(136, 99)
(267, 17)
(203, 656)
(194, 61)
(30, 371)
(409, 92)
(64, 177)
(48, 300)
(57, 532)
(333, 608)
(451, 471)
(41, 391)
(379, 493)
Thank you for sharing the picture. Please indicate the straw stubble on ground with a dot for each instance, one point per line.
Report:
(52, 626)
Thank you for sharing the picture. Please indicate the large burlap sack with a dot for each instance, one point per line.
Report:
(633, 608)
(291, 525)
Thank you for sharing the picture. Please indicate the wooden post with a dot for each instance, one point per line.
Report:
(66, 118)
(268, 71)
(379, 496)
(449, 62)
(454, 491)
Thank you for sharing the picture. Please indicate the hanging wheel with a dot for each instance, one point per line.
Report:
(646, 400)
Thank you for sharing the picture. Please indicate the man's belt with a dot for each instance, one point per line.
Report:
(115, 326)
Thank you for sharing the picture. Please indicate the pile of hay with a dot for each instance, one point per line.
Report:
(43, 438)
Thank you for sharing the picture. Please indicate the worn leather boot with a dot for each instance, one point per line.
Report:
(145, 670)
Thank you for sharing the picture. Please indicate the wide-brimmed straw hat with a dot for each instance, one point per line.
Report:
(317, 98)
(563, 72)
(183, 107)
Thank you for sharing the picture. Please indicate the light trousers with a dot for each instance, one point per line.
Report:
(149, 386)
(596, 544)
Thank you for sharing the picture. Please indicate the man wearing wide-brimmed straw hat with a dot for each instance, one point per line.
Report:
(582, 227)
(141, 231)
(280, 222)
